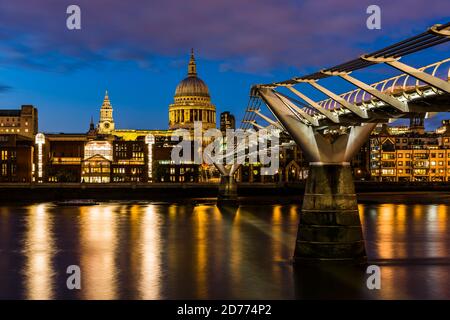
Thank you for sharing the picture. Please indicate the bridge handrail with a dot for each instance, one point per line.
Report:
(384, 82)
(358, 96)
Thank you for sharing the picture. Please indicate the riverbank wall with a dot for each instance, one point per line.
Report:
(174, 192)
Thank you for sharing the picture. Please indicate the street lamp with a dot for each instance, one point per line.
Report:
(40, 141)
(150, 141)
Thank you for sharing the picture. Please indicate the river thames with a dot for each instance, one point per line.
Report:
(150, 250)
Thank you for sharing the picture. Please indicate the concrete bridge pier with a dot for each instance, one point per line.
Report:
(227, 192)
(329, 229)
(227, 195)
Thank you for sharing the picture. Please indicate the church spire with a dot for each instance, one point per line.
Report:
(106, 102)
(192, 68)
(106, 99)
(106, 121)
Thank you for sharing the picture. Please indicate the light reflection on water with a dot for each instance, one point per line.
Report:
(38, 250)
(155, 251)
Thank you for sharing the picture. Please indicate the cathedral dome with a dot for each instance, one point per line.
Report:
(192, 86)
(192, 102)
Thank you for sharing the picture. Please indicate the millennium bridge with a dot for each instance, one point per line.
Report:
(330, 132)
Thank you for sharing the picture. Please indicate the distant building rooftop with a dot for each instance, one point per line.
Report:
(10, 113)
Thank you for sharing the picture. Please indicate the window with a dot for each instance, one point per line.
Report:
(388, 156)
(119, 170)
(138, 155)
(420, 172)
(387, 171)
(102, 148)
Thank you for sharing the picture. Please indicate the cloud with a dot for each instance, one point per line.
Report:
(251, 35)
(4, 88)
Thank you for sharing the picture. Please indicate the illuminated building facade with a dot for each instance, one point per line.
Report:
(130, 161)
(22, 122)
(64, 154)
(96, 165)
(127, 156)
(16, 158)
(410, 156)
(18, 128)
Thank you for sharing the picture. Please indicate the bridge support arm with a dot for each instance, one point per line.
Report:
(327, 113)
(274, 123)
(376, 93)
(311, 119)
(254, 123)
(353, 108)
(302, 134)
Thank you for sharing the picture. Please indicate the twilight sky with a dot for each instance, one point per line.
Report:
(138, 50)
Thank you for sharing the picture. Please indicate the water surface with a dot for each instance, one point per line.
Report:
(157, 251)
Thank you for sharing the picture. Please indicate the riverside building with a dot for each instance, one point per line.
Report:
(107, 154)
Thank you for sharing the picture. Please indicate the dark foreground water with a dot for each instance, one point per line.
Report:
(158, 251)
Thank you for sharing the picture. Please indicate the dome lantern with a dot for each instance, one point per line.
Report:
(192, 68)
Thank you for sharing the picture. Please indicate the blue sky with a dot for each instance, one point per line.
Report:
(139, 51)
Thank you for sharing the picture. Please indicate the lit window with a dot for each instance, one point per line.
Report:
(102, 148)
